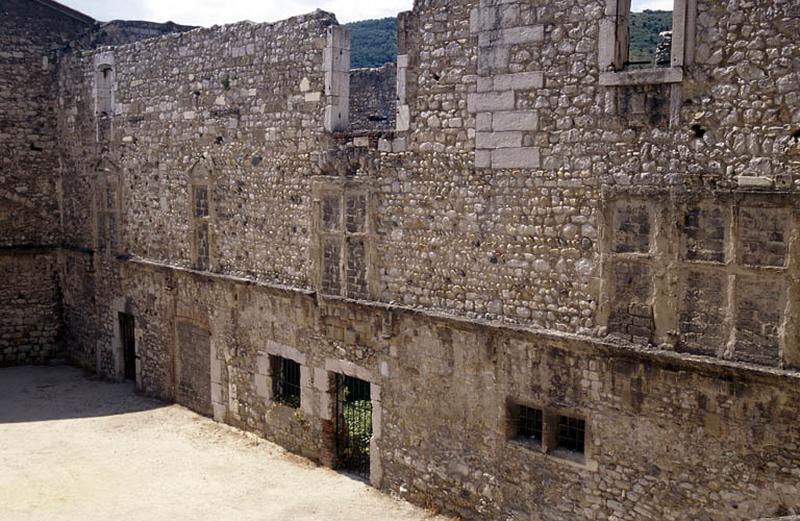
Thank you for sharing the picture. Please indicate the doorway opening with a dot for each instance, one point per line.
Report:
(353, 425)
(127, 325)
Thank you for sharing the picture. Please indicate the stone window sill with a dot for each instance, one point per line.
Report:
(566, 457)
(642, 77)
(535, 446)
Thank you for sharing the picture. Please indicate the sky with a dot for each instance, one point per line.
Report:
(655, 5)
(211, 12)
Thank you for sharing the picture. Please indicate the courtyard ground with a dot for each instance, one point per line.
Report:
(73, 448)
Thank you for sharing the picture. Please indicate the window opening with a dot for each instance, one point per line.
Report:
(343, 242)
(571, 434)
(646, 33)
(108, 208)
(127, 328)
(201, 215)
(353, 425)
(285, 381)
(528, 424)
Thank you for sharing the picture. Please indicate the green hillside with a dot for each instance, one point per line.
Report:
(645, 27)
(374, 42)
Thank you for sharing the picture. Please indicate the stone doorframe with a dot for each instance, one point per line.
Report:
(324, 383)
(121, 305)
(263, 376)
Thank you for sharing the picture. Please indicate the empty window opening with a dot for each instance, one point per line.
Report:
(285, 381)
(645, 34)
(373, 43)
(527, 424)
(353, 425)
(571, 434)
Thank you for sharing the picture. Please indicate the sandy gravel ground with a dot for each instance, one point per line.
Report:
(76, 449)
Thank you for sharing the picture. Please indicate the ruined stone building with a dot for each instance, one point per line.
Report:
(561, 288)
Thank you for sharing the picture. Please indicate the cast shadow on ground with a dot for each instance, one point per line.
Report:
(32, 394)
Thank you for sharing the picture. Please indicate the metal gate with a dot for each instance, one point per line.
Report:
(353, 425)
(126, 330)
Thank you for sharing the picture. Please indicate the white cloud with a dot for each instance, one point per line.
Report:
(655, 5)
(211, 12)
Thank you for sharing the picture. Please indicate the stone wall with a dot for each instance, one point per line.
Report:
(529, 243)
(537, 244)
(444, 427)
(250, 132)
(30, 32)
(30, 318)
(373, 98)
(79, 307)
(121, 32)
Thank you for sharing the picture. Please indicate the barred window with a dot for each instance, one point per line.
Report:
(548, 431)
(571, 434)
(527, 423)
(285, 381)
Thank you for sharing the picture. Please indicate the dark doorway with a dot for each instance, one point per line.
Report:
(126, 330)
(353, 425)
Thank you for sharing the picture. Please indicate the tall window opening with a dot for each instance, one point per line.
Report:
(343, 233)
(108, 203)
(201, 215)
(647, 30)
(104, 101)
(645, 42)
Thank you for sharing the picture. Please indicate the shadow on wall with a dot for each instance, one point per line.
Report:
(33, 394)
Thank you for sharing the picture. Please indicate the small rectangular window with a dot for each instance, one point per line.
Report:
(285, 381)
(528, 424)
(571, 434)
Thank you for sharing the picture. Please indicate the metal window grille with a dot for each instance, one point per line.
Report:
(528, 424)
(286, 381)
(353, 425)
(571, 434)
